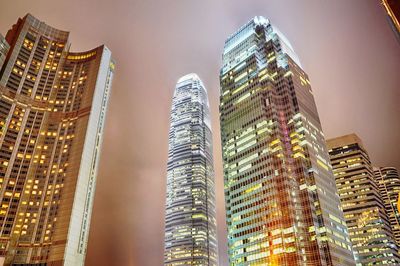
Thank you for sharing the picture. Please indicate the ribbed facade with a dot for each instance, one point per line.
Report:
(389, 185)
(282, 206)
(190, 223)
(363, 206)
(3, 50)
(52, 110)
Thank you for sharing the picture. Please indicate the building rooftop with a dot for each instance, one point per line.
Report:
(249, 28)
(344, 141)
(191, 76)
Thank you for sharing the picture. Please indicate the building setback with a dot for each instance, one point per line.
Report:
(363, 207)
(282, 205)
(389, 185)
(190, 222)
(52, 109)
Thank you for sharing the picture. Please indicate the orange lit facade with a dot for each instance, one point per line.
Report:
(52, 110)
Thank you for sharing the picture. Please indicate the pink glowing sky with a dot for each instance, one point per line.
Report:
(346, 47)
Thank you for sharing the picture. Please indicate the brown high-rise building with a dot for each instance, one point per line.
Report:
(52, 110)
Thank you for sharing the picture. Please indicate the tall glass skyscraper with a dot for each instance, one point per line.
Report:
(52, 109)
(190, 223)
(282, 205)
(363, 206)
(388, 180)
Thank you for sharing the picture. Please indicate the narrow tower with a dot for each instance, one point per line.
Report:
(190, 223)
(363, 206)
(52, 111)
(282, 206)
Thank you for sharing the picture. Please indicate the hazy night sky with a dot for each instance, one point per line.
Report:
(346, 47)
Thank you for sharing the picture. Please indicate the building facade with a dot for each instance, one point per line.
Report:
(282, 205)
(52, 109)
(3, 50)
(389, 185)
(364, 209)
(190, 223)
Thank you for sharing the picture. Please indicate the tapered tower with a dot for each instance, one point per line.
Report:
(190, 222)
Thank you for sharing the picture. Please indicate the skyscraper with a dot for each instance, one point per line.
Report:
(392, 8)
(190, 223)
(389, 185)
(3, 50)
(363, 207)
(282, 206)
(52, 109)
